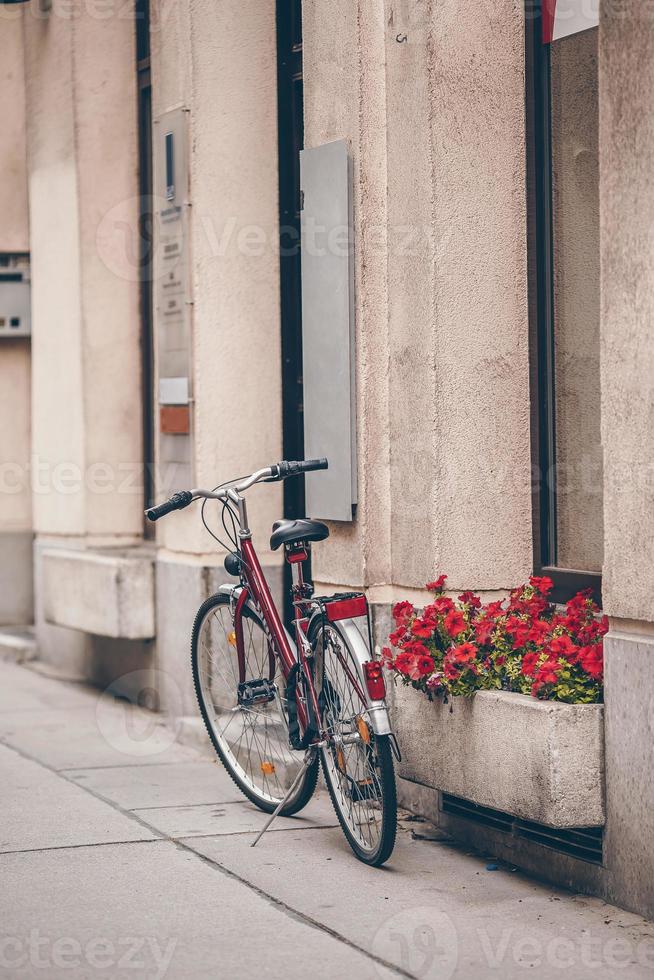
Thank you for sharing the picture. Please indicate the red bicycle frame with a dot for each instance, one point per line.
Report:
(256, 587)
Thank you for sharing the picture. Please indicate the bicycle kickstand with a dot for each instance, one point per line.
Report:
(308, 759)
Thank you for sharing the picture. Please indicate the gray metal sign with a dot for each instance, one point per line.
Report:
(328, 330)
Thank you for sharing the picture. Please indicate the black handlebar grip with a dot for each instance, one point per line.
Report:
(314, 464)
(177, 502)
(290, 467)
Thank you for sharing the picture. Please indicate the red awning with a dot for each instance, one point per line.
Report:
(564, 17)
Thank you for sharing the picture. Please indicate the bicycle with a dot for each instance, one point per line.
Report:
(274, 706)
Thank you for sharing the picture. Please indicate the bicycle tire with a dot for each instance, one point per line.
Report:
(339, 782)
(264, 801)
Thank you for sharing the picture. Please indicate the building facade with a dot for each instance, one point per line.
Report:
(503, 361)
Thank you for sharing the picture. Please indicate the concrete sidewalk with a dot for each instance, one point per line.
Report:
(124, 854)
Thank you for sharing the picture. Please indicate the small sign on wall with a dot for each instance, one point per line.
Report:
(15, 298)
(173, 304)
(328, 330)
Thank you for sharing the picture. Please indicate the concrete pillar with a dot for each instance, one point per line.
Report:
(81, 124)
(627, 363)
(86, 368)
(218, 61)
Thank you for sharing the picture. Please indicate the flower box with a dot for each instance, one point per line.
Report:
(538, 760)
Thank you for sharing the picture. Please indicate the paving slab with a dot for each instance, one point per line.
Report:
(169, 784)
(433, 900)
(26, 690)
(109, 734)
(12, 722)
(152, 911)
(233, 818)
(41, 810)
(17, 644)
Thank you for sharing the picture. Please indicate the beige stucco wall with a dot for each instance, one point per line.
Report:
(16, 509)
(82, 164)
(15, 496)
(229, 86)
(431, 100)
(627, 310)
(14, 236)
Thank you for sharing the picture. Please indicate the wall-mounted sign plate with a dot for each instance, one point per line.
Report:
(328, 330)
(15, 299)
(172, 296)
(173, 391)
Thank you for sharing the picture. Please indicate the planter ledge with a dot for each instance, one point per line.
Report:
(538, 760)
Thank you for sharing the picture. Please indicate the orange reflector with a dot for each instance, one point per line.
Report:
(231, 639)
(340, 758)
(364, 731)
(267, 768)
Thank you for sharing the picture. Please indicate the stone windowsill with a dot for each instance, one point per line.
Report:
(105, 592)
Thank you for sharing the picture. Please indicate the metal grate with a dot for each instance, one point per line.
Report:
(584, 843)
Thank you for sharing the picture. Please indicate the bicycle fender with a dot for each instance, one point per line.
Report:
(377, 710)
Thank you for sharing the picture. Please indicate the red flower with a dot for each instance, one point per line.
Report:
(582, 602)
(538, 632)
(455, 624)
(592, 660)
(542, 584)
(438, 585)
(562, 646)
(518, 630)
(402, 613)
(450, 671)
(494, 608)
(423, 665)
(470, 599)
(529, 664)
(548, 673)
(397, 637)
(404, 662)
(423, 628)
(464, 653)
(442, 605)
(483, 630)
(387, 657)
(416, 648)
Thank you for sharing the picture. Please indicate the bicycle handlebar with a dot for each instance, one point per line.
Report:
(176, 502)
(294, 467)
(270, 474)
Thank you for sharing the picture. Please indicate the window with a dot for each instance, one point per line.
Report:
(563, 211)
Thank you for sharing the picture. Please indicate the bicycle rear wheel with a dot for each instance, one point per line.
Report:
(251, 739)
(357, 764)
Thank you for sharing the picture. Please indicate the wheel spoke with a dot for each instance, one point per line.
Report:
(351, 764)
(254, 738)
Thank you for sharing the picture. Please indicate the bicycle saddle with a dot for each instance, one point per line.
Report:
(300, 530)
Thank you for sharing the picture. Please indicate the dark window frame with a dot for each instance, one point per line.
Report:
(541, 315)
(290, 132)
(144, 118)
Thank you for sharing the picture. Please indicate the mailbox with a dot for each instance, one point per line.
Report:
(15, 307)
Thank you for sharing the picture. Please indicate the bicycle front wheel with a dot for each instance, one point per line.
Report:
(357, 764)
(251, 739)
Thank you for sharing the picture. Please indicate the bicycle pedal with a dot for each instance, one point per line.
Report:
(259, 691)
